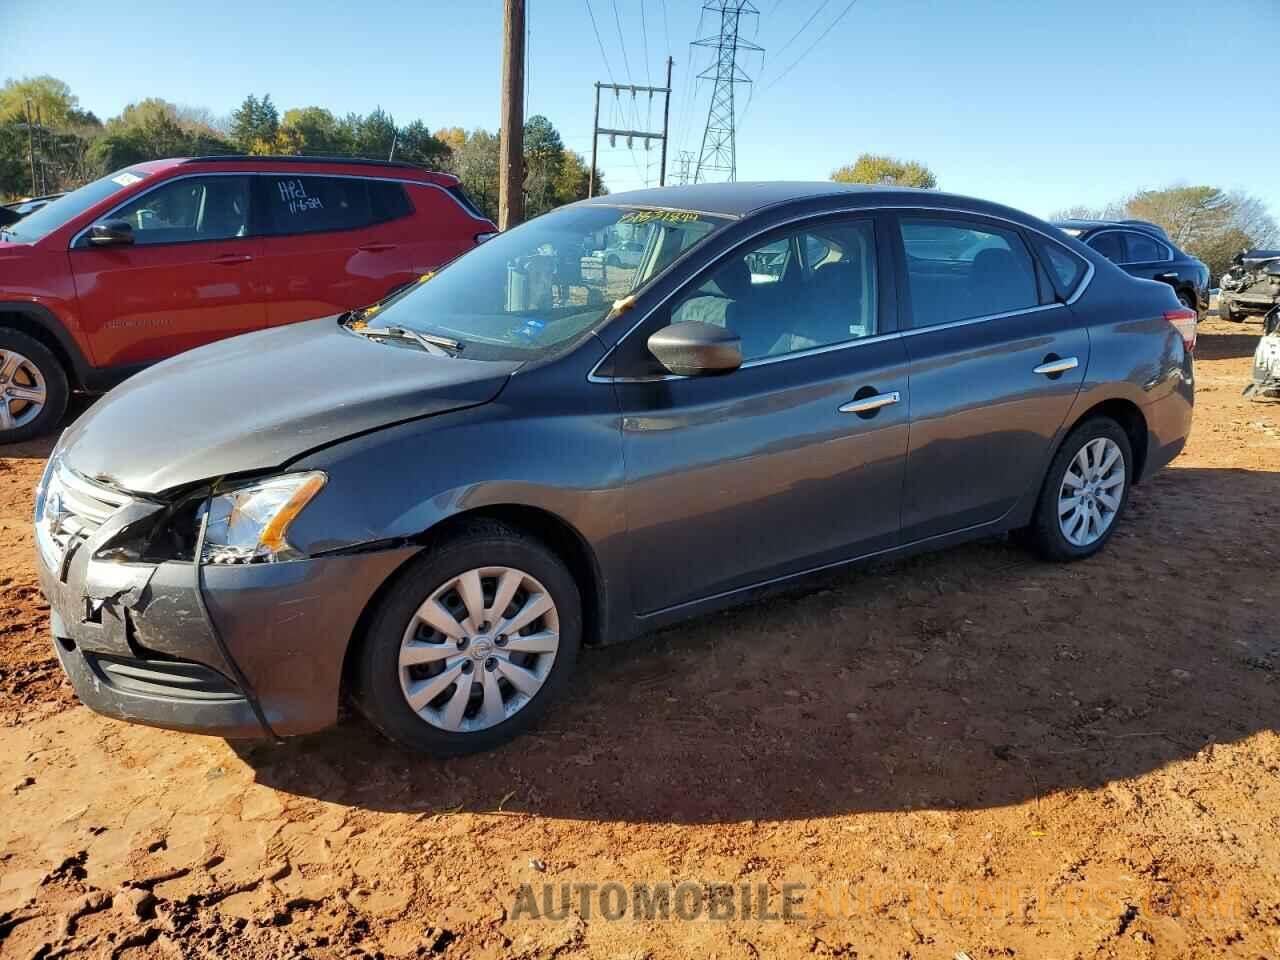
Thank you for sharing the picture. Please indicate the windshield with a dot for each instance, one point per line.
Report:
(44, 221)
(525, 292)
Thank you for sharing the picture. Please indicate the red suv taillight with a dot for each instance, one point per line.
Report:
(1185, 322)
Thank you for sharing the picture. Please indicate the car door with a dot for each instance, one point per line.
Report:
(995, 363)
(192, 274)
(327, 245)
(795, 459)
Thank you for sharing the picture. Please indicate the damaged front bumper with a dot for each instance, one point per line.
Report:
(250, 650)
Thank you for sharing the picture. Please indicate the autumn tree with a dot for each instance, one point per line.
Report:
(883, 169)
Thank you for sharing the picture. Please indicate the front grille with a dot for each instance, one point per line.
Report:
(69, 508)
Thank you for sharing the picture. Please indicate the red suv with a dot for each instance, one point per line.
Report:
(168, 255)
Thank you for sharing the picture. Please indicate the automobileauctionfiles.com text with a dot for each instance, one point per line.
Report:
(690, 900)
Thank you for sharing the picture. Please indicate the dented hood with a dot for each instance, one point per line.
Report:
(257, 401)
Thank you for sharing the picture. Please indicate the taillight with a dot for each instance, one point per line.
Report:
(1185, 322)
(482, 237)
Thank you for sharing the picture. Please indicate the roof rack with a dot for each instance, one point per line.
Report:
(306, 158)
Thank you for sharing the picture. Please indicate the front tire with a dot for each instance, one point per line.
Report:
(1085, 492)
(33, 387)
(469, 646)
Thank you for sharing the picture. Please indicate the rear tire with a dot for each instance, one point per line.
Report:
(1062, 532)
(475, 691)
(33, 387)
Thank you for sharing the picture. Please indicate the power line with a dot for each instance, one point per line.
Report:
(599, 42)
(621, 42)
(822, 6)
(644, 33)
(821, 37)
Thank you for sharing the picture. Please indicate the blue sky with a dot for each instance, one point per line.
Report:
(1036, 103)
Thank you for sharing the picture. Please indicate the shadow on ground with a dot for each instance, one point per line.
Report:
(965, 679)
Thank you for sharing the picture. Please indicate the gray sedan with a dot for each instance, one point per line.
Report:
(430, 504)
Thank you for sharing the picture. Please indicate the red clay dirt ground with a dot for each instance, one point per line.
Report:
(1100, 738)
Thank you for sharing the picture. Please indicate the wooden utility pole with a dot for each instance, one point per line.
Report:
(511, 146)
(598, 131)
(31, 147)
(595, 125)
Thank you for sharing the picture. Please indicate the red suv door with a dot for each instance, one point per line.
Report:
(331, 243)
(191, 276)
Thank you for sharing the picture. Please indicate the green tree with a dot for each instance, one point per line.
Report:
(572, 183)
(372, 134)
(255, 125)
(473, 159)
(417, 145)
(544, 159)
(879, 168)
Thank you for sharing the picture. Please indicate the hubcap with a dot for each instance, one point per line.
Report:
(478, 649)
(1091, 492)
(22, 390)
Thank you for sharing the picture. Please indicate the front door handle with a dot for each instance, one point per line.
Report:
(232, 258)
(1167, 276)
(867, 406)
(377, 247)
(1056, 366)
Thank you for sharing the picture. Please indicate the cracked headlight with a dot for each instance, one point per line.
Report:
(250, 524)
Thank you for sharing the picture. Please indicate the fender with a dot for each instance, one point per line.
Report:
(79, 370)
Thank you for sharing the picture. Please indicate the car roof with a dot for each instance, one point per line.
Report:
(746, 197)
(401, 170)
(1089, 226)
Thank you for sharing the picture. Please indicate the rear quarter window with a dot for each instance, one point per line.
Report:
(1065, 268)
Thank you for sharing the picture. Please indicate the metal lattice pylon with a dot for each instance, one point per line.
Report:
(719, 152)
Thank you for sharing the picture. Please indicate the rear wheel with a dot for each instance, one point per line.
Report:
(1186, 301)
(471, 644)
(1085, 492)
(33, 387)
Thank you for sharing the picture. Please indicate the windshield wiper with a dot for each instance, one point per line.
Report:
(430, 342)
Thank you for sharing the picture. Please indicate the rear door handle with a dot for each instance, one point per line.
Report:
(377, 247)
(869, 405)
(232, 258)
(1057, 366)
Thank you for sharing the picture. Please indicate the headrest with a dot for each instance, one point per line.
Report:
(734, 279)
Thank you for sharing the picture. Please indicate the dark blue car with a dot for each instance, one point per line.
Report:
(430, 504)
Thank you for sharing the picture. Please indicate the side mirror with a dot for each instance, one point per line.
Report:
(110, 233)
(694, 348)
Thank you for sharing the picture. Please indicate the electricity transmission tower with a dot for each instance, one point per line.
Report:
(684, 166)
(719, 152)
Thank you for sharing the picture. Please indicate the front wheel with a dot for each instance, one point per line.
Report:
(33, 387)
(469, 646)
(1085, 492)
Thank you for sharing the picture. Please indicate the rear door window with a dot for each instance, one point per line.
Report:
(313, 204)
(959, 270)
(1143, 249)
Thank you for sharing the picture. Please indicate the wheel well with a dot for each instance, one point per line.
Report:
(1129, 416)
(566, 542)
(23, 323)
(550, 529)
